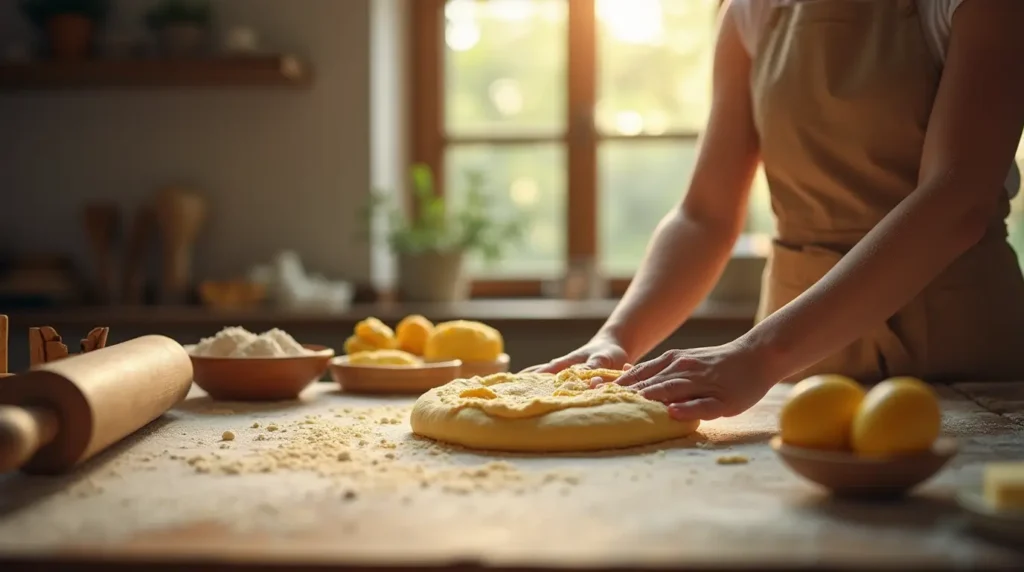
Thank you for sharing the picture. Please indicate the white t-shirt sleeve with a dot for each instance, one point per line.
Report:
(751, 17)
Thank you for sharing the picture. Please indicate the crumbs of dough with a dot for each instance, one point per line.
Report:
(362, 453)
(522, 395)
(732, 460)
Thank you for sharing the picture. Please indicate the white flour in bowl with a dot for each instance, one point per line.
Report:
(238, 342)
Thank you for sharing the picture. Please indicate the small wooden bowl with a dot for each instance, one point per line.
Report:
(484, 368)
(999, 525)
(259, 379)
(846, 474)
(392, 379)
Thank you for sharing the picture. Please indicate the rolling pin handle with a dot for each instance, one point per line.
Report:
(23, 431)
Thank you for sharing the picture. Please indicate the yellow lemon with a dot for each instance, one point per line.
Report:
(413, 332)
(376, 333)
(465, 340)
(384, 357)
(355, 344)
(899, 416)
(819, 412)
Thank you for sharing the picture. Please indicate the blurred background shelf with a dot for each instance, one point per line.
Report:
(262, 71)
(589, 314)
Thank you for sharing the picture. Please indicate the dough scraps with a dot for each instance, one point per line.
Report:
(544, 413)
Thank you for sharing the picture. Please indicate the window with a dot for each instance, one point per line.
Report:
(1015, 222)
(583, 114)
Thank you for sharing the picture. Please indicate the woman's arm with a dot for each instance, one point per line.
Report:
(692, 243)
(972, 136)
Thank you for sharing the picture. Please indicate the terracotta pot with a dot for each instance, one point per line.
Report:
(432, 277)
(70, 36)
(182, 40)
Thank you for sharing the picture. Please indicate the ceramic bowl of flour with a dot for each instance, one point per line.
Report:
(236, 365)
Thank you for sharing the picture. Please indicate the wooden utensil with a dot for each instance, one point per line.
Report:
(260, 378)
(102, 224)
(3, 346)
(392, 379)
(180, 215)
(846, 474)
(60, 414)
(133, 277)
(95, 340)
(45, 345)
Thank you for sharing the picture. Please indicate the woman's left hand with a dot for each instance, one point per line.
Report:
(703, 383)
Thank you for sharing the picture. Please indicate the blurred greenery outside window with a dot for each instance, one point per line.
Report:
(505, 115)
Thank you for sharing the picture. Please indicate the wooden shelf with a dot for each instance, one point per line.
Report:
(498, 312)
(261, 71)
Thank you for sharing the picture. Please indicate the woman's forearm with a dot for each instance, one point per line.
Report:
(895, 261)
(683, 262)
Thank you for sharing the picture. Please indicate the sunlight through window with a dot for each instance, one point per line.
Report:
(632, 22)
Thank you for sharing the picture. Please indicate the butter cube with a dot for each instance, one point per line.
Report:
(1004, 485)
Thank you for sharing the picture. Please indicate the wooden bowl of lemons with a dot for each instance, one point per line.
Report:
(417, 355)
(390, 372)
(882, 442)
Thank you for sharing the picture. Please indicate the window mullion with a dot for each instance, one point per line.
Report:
(426, 98)
(581, 218)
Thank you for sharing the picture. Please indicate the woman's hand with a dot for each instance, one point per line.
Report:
(704, 383)
(600, 352)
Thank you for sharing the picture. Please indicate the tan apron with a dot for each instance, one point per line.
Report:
(842, 92)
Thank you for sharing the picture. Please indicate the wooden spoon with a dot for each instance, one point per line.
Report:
(103, 224)
(180, 215)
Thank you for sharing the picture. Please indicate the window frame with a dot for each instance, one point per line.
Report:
(581, 139)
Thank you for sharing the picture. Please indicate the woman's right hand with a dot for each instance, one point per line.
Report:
(600, 352)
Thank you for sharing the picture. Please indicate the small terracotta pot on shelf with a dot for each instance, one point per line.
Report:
(70, 37)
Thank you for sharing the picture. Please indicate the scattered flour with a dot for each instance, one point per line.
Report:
(238, 342)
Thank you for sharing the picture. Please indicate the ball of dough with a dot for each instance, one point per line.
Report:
(412, 333)
(819, 412)
(900, 416)
(543, 413)
(464, 340)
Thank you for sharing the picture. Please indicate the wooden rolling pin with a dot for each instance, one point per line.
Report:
(60, 414)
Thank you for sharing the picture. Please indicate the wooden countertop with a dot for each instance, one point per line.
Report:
(313, 494)
(499, 311)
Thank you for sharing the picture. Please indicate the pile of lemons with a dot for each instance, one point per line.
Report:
(899, 416)
(416, 339)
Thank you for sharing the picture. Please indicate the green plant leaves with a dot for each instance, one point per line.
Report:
(196, 12)
(436, 225)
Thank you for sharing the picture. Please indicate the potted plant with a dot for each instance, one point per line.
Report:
(69, 25)
(181, 26)
(432, 241)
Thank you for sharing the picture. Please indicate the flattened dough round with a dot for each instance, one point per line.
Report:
(543, 413)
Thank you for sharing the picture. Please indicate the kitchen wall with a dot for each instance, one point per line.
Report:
(282, 169)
